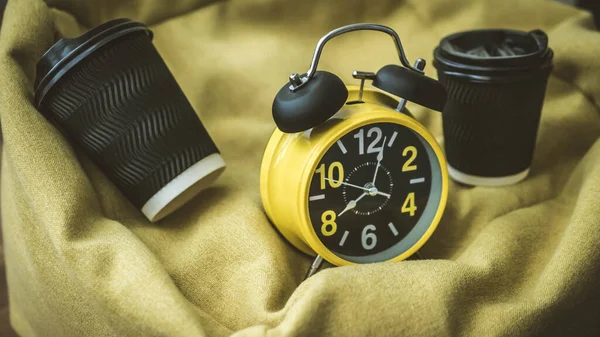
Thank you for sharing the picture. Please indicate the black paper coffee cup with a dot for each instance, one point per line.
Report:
(496, 82)
(113, 96)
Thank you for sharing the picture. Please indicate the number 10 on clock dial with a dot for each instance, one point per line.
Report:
(375, 192)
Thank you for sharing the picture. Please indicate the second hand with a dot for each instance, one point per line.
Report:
(359, 187)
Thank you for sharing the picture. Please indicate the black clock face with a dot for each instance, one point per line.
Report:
(375, 192)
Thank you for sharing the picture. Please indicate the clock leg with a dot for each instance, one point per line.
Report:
(362, 75)
(418, 255)
(314, 267)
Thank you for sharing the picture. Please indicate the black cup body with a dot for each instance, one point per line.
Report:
(496, 82)
(112, 94)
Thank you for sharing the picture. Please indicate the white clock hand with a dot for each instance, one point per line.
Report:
(379, 159)
(352, 204)
(347, 184)
(356, 186)
(384, 194)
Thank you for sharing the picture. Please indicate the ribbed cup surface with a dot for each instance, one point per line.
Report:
(124, 108)
(490, 129)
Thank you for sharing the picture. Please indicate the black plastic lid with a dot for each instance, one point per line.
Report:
(494, 54)
(66, 53)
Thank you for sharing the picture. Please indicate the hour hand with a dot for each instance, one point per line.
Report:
(352, 204)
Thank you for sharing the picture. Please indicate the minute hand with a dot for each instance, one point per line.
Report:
(356, 186)
(379, 159)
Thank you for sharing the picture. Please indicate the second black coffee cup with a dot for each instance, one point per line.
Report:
(496, 82)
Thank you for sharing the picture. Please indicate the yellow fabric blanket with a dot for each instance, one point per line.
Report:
(522, 260)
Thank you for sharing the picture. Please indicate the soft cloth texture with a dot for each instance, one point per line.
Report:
(520, 260)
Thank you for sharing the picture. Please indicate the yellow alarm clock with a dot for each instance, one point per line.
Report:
(349, 175)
